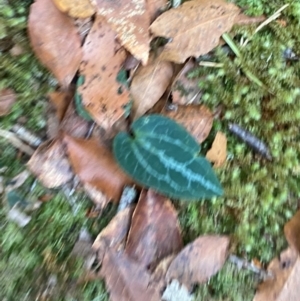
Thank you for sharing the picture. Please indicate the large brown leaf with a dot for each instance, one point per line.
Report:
(199, 260)
(126, 280)
(114, 235)
(50, 165)
(95, 164)
(292, 232)
(285, 281)
(103, 97)
(193, 28)
(197, 119)
(149, 84)
(154, 232)
(130, 19)
(7, 99)
(54, 40)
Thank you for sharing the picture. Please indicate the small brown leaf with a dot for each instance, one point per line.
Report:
(97, 196)
(50, 165)
(197, 119)
(94, 164)
(130, 20)
(285, 282)
(292, 232)
(194, 28)
(103, 97)
(60, 101)
(7, 99)
(54, 40)
(113, 236)
(186, 90)
(75, 8)
(199, 260)
(154, 232)
(126, 280)
(149, 84)
(218, 151)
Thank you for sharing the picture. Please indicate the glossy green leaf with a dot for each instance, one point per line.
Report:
(162, 155)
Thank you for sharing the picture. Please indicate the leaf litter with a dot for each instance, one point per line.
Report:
(137, 240)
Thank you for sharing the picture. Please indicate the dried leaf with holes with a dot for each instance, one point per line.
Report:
(199, 260)
(50, 165)
(149, 84)
(194, 28)
(94, 164)
(218, 151)
(75, 8)
(197, 119)
(102, 96)
(7, 99)
(285, 282)
(186, 90)
(130, 19)
(155, 231)
(126, 280)
(54, 40)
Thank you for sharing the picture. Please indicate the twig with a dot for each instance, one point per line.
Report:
(242, 263)
(16, 142)
(128, 197)
(26, 135)
(211, 64)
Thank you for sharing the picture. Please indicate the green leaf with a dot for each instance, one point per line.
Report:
(162, 155)
(81, 111)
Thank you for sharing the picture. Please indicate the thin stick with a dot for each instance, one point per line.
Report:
(211, 64)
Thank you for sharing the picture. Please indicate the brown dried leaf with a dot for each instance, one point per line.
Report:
(242, 19)
(218, 151)
(97, 196)
(126, 280)
(114, 235)
(7, 99)
(194, 28)
(130, 20)
(156, 7)
(197, 119)
(186, 90)
(60, 101)
(292, 232)
(199, 260)
(94, 164)
(155, 231)
(103, 97)
(75, 8)
(149, 84)
(54, 40)
(285, 283)
(50, 165)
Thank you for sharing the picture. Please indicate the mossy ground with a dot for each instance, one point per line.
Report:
(260, 195)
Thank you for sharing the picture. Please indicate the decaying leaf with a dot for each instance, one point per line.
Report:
(94, 164)
(7, 99)
(57, 44)
(186, 90)
(154, 232)
(96, 195)
(285, 281)
(197, 119)
(199, 260)
(130, 20)
(126, 280)
(114, 235)
(50, 165)
(149, 84)
(218, 151)
(102, 96)
(193, 28)
(75, 8)
(292, 232)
